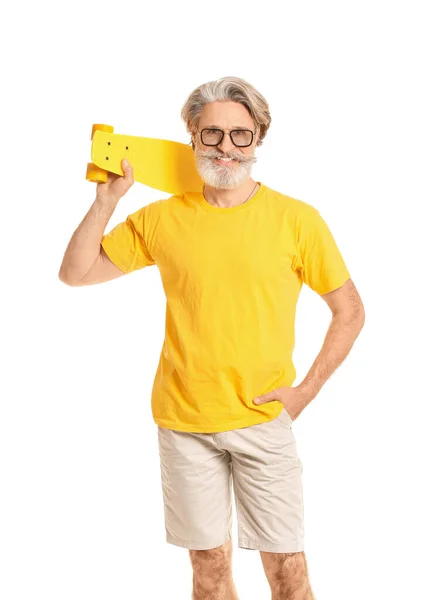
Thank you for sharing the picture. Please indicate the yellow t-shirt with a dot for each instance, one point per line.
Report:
(232, 277)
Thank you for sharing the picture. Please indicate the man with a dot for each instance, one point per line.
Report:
(232, 259)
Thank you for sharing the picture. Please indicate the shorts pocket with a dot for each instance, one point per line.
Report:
(285, 418)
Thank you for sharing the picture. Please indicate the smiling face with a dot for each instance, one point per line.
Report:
(214, 171)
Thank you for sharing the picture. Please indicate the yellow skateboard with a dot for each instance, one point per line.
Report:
(161, 164)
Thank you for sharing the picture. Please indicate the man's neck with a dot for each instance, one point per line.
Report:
(223, 198)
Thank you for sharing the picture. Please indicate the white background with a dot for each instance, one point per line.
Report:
(358, 102)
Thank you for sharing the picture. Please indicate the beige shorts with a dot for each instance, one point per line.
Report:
(199, 470)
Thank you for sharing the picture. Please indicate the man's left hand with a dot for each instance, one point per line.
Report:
(294, 399)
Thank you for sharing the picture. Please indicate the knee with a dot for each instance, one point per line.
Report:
(211, 566)
(285, 567)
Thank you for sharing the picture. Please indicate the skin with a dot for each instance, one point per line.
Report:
(212, 573)
(286, 573)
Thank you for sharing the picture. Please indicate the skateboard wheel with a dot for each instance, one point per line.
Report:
(96, 174)
(101, 127)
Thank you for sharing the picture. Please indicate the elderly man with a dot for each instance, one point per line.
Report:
(233, 259)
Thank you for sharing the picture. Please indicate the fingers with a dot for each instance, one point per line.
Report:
(117, 185)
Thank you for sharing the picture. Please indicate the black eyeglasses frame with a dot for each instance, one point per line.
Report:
(226, 133)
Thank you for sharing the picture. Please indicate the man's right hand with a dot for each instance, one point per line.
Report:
(116, 185)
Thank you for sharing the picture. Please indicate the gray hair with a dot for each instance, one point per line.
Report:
(227, 89)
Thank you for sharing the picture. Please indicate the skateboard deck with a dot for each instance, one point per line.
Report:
(161, 164)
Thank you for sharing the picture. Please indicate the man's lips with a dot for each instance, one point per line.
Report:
(225, 162)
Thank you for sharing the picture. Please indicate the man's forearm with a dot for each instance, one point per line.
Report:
(340, 337)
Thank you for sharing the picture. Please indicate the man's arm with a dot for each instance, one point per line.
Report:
(348, 318)
(103, 269)
(83, 252)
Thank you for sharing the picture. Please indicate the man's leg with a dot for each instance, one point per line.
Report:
(197, 484)
(267, 475)
(212, 573)
(287, 575)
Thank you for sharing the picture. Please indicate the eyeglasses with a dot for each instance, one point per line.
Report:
(240, 137)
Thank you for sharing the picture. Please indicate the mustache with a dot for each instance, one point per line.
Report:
(234, 155)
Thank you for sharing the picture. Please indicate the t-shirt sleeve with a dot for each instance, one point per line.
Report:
(318, 260)
(128, 245)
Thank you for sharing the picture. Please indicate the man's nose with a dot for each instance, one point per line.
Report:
(226, 145)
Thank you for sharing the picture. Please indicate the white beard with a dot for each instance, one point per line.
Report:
(221, 176)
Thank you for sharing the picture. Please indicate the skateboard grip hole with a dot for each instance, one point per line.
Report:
(108, 143)
(127, 147)
(107, 158)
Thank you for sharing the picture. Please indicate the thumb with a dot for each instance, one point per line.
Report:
(265, 398)
(127, 170)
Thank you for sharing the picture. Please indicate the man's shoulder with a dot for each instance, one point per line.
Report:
(293, 203)
(155, 207)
